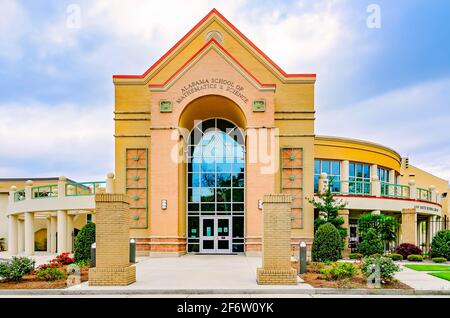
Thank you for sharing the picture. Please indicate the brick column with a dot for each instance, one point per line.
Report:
(276, 257)
(409, 226)
(112, 242)
(345, 215)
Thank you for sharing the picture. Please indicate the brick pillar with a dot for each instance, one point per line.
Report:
(345, 215)
(276, 256)
(409, 226)
(112, 242)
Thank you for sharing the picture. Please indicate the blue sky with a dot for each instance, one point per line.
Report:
(389, 85)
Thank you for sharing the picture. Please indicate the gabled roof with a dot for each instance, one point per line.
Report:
(212, 44)
(214, 14)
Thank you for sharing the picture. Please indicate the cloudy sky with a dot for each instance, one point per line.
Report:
(389, 85)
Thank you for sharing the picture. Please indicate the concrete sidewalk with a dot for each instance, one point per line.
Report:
(197, 272)
(421, 280)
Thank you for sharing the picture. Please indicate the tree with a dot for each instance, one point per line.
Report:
(83, 242)
(385, 226)
(328, 207)
(371, 244)
(327, 244)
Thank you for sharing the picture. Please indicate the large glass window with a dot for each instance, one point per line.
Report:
(216, 178)
(332, 168)
(359, 178)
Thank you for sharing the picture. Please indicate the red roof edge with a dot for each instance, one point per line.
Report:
(214, 10)
(198, 52)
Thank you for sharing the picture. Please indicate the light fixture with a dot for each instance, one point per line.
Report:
(164, 204)
(260, 204)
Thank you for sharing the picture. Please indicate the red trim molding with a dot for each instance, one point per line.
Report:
(214, 11)
(385, 198)
(210, 42)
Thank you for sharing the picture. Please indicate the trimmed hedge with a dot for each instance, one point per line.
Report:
(440, 245)
(327, 244)
(439, 259)
(396, 257)
(415, 258)
(83, 242)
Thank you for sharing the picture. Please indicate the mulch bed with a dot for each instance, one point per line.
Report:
(32, 282)
(358, 282)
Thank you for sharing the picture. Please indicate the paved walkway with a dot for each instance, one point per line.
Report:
(421, 280)
(200, 272)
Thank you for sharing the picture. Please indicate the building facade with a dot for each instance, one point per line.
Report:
(213, 126)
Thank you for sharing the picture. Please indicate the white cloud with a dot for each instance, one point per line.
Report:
(50, 137)
(13, 24)
(412, 120)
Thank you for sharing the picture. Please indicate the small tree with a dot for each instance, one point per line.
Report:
(83, 242)
(327, 244)
(328, 207)
(440, 245)
(385, 226)
(371, 244)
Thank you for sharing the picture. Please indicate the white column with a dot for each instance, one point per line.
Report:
(69, 238)
(29, 233)
(110, 183)
(53, 234)
(345, 176)
(12, 235)
(323, 182)
(375, 186)
(49, 233)
(21, 236)
(373, 170)
(62, 231)
(391, 190)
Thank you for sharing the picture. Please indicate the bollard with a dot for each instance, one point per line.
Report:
(132, 251)
(93, 260)
(302, 258)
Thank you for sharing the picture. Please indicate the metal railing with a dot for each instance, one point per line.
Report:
(395, 190)
(44, 191)
(362, 188)
(85, 188)
(424, 195)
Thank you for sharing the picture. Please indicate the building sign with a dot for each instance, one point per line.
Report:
(212, 83)
(425, 208)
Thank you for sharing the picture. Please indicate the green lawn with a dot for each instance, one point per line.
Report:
(429, 268)
(443, 275)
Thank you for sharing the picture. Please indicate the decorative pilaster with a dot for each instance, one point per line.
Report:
(276, 258)
(112, 242)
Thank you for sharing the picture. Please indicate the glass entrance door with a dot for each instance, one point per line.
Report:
(215, 235)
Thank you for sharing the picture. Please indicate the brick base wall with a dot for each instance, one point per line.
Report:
(121, 276)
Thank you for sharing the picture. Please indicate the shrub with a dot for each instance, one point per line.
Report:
(440, 245)
(83, 242)
(63, 259)
(376, 255)
(396, 257)
(371, 244)
(386, 265)
(355, 256)
(327, 244)
(15, 269)
(50, 274)
(439, 259)
(83, 263)
(315, 267)
(339, 271)
(406, 249)
(415, 258)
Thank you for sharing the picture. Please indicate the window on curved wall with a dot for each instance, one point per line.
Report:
(383, 174)
(332, 168)
(359, 178)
